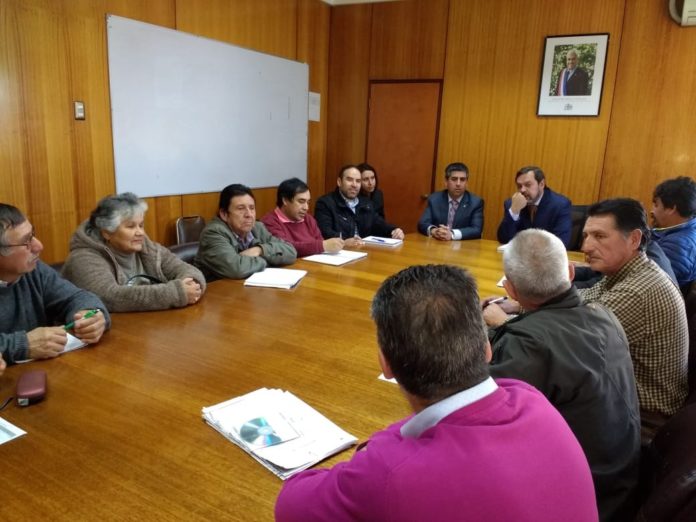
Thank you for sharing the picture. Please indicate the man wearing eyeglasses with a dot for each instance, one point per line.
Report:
(35, 302)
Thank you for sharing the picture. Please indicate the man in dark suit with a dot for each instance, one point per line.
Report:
(573, 80)
(535, 206)
(343, 213)
(454, 213)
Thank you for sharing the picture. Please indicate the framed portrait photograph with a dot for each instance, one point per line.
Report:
(572, 75)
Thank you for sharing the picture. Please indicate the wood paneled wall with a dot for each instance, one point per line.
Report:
(491, 70)
(487, 52)
(652, 135)
(491, 89)
(53, 52)
(391, 40)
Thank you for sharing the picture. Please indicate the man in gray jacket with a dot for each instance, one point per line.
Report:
(35, 302)
(577, 355)
(233, 245)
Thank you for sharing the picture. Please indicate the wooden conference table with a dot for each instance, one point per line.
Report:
(120, 435)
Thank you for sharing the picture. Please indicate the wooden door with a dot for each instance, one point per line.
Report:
(402, 145)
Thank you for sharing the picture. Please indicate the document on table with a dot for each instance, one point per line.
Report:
(339, 258)
(276, 278)
(73, 344)
(383, 241)
(9, 431)
(280, 431)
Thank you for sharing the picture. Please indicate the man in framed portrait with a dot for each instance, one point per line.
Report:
(573, 80)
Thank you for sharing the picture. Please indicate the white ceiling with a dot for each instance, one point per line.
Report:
(347, 2)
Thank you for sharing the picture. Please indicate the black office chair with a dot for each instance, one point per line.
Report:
(185, 251)
(188, 229)
(578, 216)
(672, 455)
(690, 302)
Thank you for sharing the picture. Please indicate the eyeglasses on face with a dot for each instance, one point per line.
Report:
(26, 243)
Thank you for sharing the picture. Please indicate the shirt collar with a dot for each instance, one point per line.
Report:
(246, 240)
(684, 224)
(450, 199)
(634, 261)
(352, 203)
(537, 201)
(283, 218)
(434, 413)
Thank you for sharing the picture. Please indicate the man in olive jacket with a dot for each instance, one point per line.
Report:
(233, 245)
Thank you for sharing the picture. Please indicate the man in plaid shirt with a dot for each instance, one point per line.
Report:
(648, 304)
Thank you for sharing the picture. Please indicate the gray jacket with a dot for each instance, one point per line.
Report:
(91, 265)
(219, 254)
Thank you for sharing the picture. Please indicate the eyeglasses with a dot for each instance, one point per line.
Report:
(26, 243)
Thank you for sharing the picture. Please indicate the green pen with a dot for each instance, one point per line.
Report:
(89, 314)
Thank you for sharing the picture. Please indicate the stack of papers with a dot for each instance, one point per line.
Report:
(276, 278)
(280, 431)
(340, 258)
(383, 241)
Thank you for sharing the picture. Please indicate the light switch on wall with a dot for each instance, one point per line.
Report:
(79, 110)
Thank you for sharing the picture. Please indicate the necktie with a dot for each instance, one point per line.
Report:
(532, 212)
(452, 211)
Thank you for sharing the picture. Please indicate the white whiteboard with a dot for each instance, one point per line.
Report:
(190, 114)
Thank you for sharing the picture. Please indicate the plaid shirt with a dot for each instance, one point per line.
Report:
(651, 311)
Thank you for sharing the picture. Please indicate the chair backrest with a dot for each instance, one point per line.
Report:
(690, 302)
(188, 229)
(578, 216)
(185, 251)
(673, 452)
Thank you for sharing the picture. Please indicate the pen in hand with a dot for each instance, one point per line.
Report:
(496, 300)
(89, 314)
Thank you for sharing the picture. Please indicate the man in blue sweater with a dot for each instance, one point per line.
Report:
(674, 219)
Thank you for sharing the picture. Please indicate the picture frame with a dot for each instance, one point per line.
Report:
(572, 75)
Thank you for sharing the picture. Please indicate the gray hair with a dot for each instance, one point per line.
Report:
(10, 217)
(431, 331)
(575, 52)
(111, 211)
(536, 263)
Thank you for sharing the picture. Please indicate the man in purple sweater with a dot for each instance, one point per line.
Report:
(475, 448)
(292, 222)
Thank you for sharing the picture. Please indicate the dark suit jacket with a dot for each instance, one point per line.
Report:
(468, 219)
(336, 219)
(553, 215)
(578, 84)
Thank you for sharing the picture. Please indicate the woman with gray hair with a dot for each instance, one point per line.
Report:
(111, 255)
